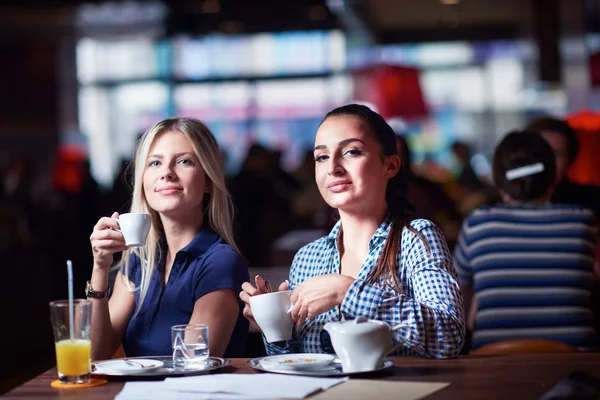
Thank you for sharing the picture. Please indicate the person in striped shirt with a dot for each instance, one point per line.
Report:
(525, 265)
(377, 261)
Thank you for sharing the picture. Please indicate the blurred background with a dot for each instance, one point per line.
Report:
(82, 80)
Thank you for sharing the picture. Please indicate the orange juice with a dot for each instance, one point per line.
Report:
(73, 357)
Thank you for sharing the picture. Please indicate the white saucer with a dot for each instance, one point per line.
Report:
(123, 366)
(298, 362)
(333, 369)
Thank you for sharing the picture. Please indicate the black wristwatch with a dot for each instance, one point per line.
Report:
(91, 293)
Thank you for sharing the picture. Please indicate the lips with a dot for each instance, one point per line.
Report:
(338, 186)
(166, 190)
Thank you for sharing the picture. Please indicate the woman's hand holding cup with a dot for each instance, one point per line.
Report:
(249, 290)
(106, 240)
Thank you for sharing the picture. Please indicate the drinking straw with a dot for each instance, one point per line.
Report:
(70, 279)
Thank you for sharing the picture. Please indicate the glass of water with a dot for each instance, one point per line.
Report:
(190, 346)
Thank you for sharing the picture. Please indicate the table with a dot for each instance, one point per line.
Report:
(523, 376)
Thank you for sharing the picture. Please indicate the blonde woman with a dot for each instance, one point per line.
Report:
(189, 270)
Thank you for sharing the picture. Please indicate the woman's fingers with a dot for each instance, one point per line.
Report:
(106, 223)
(250, 289)
(261, 284)
(285, 285)
(302, 315)
(248, 312)
(109, 245)
(107, 241)
(244, 296)
(107, 234)
(295, 311)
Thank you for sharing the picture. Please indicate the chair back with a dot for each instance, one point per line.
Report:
(524, 346)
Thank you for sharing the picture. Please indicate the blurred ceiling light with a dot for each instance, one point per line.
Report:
(120, 13)
(317, 13)
(449, 2)
(211, 7)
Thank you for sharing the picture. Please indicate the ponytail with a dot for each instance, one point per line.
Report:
(400, 212)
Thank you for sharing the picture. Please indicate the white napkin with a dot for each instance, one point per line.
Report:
(228, 386)
(154, 391)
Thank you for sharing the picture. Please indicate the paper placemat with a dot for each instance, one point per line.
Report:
(228, 386)
(380, 390)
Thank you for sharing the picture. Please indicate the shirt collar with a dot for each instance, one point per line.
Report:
(200, 243)
(380, 234)
(335, 231)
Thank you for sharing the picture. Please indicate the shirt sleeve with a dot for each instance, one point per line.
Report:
(462, 258)
(223, 268)
(288, 347)
(431, 304)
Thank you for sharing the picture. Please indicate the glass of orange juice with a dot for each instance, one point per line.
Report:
(73, 346)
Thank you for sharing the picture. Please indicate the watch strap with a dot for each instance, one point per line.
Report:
(91, 293)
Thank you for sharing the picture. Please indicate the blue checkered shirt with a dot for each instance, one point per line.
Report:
(430, 301)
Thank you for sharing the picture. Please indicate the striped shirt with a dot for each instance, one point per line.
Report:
(430, 300)
(530, 268)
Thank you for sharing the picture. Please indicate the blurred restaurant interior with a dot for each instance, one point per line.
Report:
(82, 80)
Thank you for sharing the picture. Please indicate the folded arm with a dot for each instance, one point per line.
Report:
(431, 302)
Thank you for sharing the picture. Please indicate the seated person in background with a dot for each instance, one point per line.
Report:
(189, 270)
(467, 177)
(376, 262)
(528, 262)
(563, 140)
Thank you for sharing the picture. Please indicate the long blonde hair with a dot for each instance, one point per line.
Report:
(217, 204)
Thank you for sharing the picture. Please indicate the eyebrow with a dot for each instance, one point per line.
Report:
(175, 156)
(342, 143)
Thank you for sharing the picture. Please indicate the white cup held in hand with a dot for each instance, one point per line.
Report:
(135, 228)
(270, 312)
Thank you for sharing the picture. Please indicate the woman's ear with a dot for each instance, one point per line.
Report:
(393, 166)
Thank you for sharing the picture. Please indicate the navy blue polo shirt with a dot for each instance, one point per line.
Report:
(204, 265)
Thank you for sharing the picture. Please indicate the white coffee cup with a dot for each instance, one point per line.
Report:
(270, 312)
(134, 227)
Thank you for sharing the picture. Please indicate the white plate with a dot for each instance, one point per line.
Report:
(334, 369)
(124, 366)
(299, 362)
(165, 371)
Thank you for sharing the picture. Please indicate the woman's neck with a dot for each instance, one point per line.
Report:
(536, 202)
(178, 234)
(357, 230)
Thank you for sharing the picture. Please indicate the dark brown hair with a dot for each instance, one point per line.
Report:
(559, 126)
(399, 208)
(519, 149)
